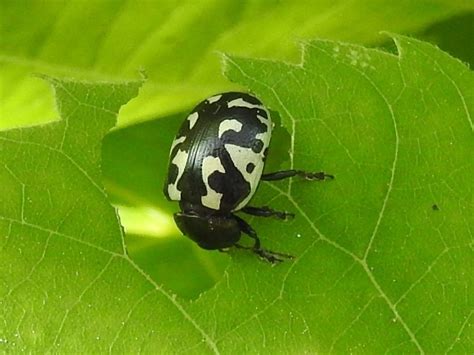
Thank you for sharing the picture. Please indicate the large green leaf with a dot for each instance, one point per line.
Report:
(387, 259)
(378, 268)
(176, 44)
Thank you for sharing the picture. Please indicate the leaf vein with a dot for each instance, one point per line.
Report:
(127, 318)
(352, 323)
(35, 266)
(35, 226)
(461, 330)
(209, 341)
(64, 154)
(79, 299)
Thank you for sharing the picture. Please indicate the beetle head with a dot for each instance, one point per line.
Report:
(210, 232)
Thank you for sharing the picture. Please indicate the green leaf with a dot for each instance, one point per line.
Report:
(176, 44)
(385, 262)
(377, 268)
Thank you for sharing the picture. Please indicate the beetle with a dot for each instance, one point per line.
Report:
(215, 165)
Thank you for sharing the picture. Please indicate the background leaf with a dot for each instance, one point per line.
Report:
(388, 128)
(377, 269)
(177, 44)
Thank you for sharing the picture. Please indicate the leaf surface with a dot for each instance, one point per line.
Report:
(378, 269)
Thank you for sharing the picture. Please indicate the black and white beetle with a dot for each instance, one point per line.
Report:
(216, 163)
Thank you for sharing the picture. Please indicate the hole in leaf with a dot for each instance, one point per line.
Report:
(177, 263)
(134, 166)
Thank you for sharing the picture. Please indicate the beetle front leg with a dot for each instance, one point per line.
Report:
(270, 256)
(266, 211)
(284, 174)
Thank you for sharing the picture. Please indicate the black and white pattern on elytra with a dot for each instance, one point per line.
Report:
(177, 166)
(176, 141)
(229, 125)
(192, 118)
(218, 157)
(240, 102)
(212, 198)
(213, 99)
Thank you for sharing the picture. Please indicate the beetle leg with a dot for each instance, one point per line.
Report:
(266, 211)
(279, 175)
(247, 229)
(270, 256)
(238, 246)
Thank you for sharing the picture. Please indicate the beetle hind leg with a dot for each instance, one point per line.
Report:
(266, 211)
(279, 175)
(270, 256)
